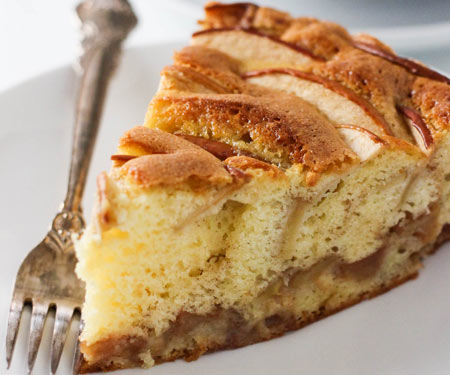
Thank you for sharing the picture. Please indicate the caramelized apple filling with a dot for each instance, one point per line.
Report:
(191, 335)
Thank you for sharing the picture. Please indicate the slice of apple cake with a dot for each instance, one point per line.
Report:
(286, 170)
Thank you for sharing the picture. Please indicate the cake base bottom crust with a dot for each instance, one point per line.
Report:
(329, 286)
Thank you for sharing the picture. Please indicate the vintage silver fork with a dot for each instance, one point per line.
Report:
(46, 278)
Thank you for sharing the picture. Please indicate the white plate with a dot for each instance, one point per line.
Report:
(406, 331)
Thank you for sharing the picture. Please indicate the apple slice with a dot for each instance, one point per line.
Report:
(419, 129)
(253, 49)
(339, 104)
(362, 141)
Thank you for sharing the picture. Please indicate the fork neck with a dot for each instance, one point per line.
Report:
(104, 26)
(90, 102)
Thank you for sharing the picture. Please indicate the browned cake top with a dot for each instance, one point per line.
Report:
(215, 96)
(206, 93)
(362, 63)
(163, 158)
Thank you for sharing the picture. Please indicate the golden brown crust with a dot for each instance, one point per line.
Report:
(375, 84)
(154, 141)
(373, 78)
(322, 38)
(218, 15)
(280, 121)
(432, 100)
(410, 65)
(172, 169)
(168, 160)
(331, 85)
(361, 63)
(194, 91)
(318, 39)
(369, 39)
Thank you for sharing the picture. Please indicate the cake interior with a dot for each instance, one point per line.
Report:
(328, 286)
(174, 264)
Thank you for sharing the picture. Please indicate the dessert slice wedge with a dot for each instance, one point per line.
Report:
(262, 194)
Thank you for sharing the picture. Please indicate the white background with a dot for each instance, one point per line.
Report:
(38, 35)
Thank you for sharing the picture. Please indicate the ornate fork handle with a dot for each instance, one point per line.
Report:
(105, 24)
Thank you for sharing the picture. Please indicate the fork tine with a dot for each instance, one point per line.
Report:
(63, 318)
(77, 355)
(15, 312)
(38, 315)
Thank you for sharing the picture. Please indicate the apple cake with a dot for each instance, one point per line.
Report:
(285, 170)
